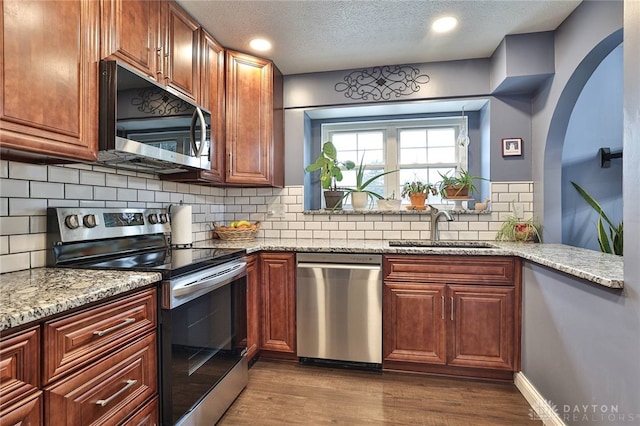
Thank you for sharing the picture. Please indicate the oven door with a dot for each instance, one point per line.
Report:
(203, 341)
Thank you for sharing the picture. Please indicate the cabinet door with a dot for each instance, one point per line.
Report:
(249, 118)
(129, 30)
(49, 78)
(181, 51)
(19, 367)
(212, 97)
(146, 416)
(414, 323)
(481, 330)
(277, 276)
(253, 307)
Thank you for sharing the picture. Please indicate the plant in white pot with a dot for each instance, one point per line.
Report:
(330, 173)
(360, 195)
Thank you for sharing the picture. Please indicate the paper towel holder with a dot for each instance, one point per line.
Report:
(171, 238)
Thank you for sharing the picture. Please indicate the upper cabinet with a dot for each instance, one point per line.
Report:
(49, 79)
(157, 38)
(254, 121)
(181, 45)
(212, 98)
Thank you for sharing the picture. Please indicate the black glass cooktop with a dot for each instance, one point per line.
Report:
(170, 262)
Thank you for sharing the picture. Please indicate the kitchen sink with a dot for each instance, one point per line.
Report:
(443, 244)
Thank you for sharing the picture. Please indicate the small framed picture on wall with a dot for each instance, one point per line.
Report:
(511, 147)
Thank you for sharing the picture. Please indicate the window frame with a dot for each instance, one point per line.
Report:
(391, 130)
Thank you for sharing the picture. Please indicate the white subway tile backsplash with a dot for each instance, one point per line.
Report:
(27, 207)
(125, 194)
(46, 190)
(27, 242)
(117, 181)
(134, 182)
(37, 224)
(64, 175)
(38, 259)
(14, 262)
(4, 244)
(14, 188)
(27, 171)
(11, 225)
(92, 178)
(78, 192)
(4, 169)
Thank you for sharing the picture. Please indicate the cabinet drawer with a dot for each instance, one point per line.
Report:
(105, 393)
(483, 270)
(146, 416)
(27, 412)
(19, 366)
(74, 341)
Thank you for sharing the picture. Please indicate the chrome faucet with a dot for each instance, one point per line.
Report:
(435, 216)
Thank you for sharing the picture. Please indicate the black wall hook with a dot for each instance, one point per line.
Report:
(606, 156)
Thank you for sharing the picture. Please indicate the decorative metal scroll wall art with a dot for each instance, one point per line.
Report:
(381, 83)
(157, 102)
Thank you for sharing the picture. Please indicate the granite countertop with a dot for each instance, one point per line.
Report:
(31, 295)
(596, 267)
(34, 294)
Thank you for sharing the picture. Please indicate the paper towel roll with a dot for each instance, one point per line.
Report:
(180, 225)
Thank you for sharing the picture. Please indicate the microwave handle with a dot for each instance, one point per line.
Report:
(197, 114)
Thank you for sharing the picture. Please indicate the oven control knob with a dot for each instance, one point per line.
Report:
(163, 218)
(153, 218)
(72, 221)
(89, 220)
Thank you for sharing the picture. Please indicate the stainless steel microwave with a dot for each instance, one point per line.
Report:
(145, 127)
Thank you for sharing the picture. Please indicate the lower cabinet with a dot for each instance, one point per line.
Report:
(278, 294)
(100, 367)
(465, 322)
(20, 396)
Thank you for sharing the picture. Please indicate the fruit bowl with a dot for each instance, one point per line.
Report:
(238, 230)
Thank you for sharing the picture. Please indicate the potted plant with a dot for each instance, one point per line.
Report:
(519, 230)
(360, 194)
(417, 191)
(330, 173)
(457, 186)
(611, 242)
(389, 203)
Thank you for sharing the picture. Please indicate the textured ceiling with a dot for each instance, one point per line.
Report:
(324, 35)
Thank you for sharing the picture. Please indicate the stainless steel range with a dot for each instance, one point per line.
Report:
(202, 305)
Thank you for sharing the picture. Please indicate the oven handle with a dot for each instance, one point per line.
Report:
(209, 283)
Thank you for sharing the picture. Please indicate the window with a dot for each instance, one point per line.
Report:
(416, 148)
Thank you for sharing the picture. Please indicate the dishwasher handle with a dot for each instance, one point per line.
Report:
(339, 266)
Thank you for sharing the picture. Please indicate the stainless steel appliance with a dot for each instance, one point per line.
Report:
(145, 127)
(339, 307)
(202, 305)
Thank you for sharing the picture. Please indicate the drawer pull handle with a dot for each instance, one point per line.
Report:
(103, 402)
(442, 307)
(114, 328)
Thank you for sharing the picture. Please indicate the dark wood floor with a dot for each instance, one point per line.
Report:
(285, 393)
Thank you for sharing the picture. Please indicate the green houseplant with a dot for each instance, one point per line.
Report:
(417, 191)
(519, 230)
(611, 242)
(360, 194)
(457, 186)
(330, 174)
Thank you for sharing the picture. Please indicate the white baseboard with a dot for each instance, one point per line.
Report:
(541, 409)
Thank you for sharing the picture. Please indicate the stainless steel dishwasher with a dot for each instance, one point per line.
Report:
(339, 307)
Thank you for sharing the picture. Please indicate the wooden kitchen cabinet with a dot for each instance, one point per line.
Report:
(253, 307)
(157, 38)
(20, 396)
(100, 364)
(49, 78)
(456, 315)
(254, 121)
(130, 33)
(278, 294)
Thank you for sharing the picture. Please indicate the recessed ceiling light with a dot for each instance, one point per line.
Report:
(445, 24)
(260, 44)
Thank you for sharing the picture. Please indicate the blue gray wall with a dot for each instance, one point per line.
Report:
(596, 121)
(581, 343)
